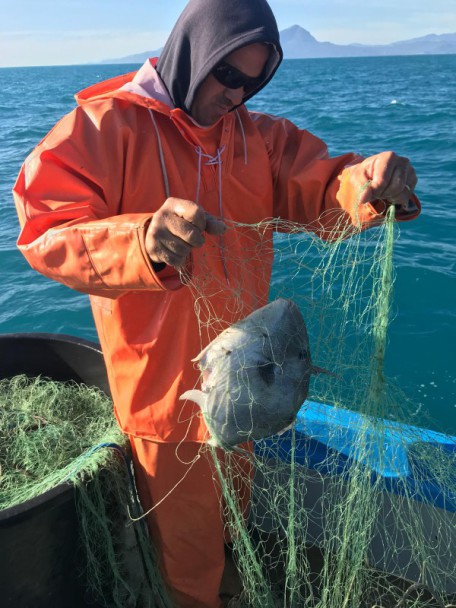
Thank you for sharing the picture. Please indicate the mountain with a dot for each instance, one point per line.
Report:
(138, 58)
(298, 43)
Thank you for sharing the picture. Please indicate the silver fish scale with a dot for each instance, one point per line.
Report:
(257, 375)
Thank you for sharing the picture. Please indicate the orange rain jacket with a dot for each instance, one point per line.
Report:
(85, 197)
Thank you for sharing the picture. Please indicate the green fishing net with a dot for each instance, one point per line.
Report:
(354, 506)
(63, 432)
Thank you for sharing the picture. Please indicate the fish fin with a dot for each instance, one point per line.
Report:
(230, 448)
(196, 396)
(201, 357)
(201, 354)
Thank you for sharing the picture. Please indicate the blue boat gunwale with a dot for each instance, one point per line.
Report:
(326, 441)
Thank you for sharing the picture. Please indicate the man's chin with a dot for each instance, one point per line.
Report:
(211, 117)
(209, 122)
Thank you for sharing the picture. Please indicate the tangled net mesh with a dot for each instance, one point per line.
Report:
(352, 507)
(54, 432)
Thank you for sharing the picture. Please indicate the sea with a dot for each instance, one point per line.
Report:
(366, 105)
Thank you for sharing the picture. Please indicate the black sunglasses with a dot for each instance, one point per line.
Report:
(232, 78)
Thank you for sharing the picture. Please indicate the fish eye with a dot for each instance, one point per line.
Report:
(303, 354)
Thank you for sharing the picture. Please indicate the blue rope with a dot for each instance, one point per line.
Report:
(92, 450)
(128, 466)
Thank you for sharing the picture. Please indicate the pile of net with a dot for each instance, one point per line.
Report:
(355, 505)
(63, 432)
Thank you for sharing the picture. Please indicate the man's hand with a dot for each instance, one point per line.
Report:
(390, 177)
(176, 228)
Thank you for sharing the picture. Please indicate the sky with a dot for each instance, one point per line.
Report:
(66, 32)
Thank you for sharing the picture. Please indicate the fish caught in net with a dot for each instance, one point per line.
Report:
(353, 506)
(256, 375)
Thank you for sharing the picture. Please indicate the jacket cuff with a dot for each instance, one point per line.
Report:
(380, 206)
(164, 276)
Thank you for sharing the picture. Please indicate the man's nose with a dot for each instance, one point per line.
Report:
(235, 95)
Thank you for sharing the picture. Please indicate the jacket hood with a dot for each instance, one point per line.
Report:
(142, 87)
(205, 33)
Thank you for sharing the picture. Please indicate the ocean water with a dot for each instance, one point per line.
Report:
(407, 104)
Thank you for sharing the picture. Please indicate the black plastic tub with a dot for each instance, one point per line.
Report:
(40, 564)
(56, 356)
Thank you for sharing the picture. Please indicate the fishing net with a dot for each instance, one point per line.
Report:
(63, 432)
(353, 506)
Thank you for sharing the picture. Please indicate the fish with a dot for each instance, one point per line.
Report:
(255, 375)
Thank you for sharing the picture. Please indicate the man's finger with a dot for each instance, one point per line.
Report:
(171, 257)
(367, 194)
(185, 231)
(389, 179)
(214, 226)
(382, 172)
(188, 211)
(412, 179)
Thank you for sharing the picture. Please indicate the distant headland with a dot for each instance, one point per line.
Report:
(298, 43)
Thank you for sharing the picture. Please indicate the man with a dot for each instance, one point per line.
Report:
(140, 182)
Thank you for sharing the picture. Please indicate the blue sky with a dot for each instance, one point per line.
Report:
(58, 32)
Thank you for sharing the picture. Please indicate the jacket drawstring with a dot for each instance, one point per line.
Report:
(243, 137)
(213, 160)
(161, 155)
